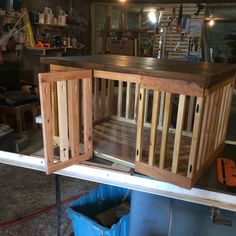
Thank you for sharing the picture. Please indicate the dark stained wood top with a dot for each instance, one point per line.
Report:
(206, 74)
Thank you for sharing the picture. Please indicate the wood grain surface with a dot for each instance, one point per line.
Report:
(205, 74)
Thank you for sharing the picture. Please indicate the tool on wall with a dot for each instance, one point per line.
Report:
(193, 44)
(172, 19)
(179, 21)
(200, 7)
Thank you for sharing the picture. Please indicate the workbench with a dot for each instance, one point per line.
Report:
(207, 190)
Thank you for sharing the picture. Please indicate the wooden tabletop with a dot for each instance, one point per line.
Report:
(206, 74)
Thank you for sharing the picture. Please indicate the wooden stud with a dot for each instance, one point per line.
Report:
(165, 131)
(178, 133)
(140, 124)
(73, 109)
(199, 108)
(120, 99)
(154, 123)
(63, 119)
(87, 107)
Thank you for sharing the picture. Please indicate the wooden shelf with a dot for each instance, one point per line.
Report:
(49, 25)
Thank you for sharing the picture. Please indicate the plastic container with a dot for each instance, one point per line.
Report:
(83, 211)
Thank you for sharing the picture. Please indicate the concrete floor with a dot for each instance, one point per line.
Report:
(25, 191)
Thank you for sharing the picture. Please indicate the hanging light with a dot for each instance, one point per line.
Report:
(152, 17)
(211, 22)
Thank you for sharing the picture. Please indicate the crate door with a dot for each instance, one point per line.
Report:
(66, 107)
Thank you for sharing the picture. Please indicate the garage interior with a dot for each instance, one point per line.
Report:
(136, 97)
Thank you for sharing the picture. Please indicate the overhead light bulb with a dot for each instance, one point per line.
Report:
(152, 17)
(211, 22)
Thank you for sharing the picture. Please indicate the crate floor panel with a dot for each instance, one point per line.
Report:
(117, 140)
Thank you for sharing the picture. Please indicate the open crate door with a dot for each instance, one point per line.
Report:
(66, 107)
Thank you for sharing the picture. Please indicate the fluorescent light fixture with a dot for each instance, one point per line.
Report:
(152, 17)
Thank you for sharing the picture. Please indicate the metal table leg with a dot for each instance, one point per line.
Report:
(58, 203)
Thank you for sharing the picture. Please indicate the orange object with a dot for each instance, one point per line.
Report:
(226, 171)
(40, 44)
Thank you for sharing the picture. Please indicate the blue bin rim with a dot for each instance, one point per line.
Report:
(70, 212)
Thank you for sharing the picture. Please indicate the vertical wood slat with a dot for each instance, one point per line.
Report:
(103, 98)
(199, 108)
(128, 95)
(54, 108)
(220, 140)
(120, 98)
(190, 114)
(225, 127)
(136, 100)
(217, 142)
(73, 109)
(96, 98)
(111, 97)
(178, 133)
(154, 123)
(47, 122)
(63, 119)
(203, 130)
(161, 109)
(146, 106)
(214, 122)
(87, 104)
(208, 129)
(140, 124)
(165, 130)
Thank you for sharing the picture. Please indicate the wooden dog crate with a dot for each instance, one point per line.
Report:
(168, 127)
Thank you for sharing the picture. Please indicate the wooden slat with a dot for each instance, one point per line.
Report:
(207, 136)
(190, 113)
(161, 109)
(199, 108)
(87, 107)
(63, 119)
(73, 109)
(136, 100)
(203, 131)
(117, 76)
(140, 123)
(103, 98)
(146, 106)
(109, 97)
(173, 86)
(178, 133)
(66, 75)
(154, 123)
(54, 107)
(226, 101)
(96, 98)
(219, 126)
(128, 95)
(120, 99)
(165, 131)
(226, 121)
(47, 122)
